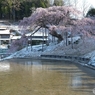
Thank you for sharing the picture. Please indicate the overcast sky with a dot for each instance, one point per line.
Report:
(92, 2)
(81, 4)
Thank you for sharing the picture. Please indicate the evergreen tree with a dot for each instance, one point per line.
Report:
(58, 2)
(17, 9)
(91, 12)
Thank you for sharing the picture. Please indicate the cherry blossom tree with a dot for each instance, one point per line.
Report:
(51, 18)
(18, 44)
(59, 21)
(84, 26)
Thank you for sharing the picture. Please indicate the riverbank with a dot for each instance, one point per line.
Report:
(39, 56)
(53, 52)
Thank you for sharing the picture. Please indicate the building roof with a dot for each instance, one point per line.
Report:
(4, 31)
(16, 37)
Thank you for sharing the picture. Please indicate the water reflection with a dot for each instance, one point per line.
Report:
(4, 67)
(38, 77)
(76, 81)
(36, 65)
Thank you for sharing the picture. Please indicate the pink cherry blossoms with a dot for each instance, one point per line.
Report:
(59, 20)
(48, 17)
(18, 44)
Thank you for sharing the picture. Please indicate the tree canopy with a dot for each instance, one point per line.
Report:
(50, 18)
(17, 9)
(91, 12)
(60, 20)
(58, 3)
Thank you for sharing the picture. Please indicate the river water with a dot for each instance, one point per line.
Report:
(43, 77)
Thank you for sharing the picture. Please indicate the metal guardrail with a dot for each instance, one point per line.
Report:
(66, 57)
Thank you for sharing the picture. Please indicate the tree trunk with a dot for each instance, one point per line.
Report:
(54, 33)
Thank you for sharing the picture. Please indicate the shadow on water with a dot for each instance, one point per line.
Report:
(87, 70)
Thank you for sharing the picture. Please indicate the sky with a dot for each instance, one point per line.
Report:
(81, 5)
(92, 2)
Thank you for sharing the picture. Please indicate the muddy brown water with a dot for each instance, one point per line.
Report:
(45, 77)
